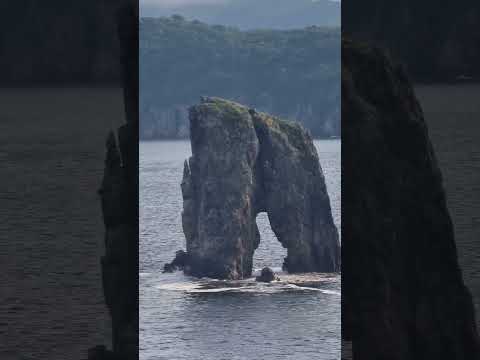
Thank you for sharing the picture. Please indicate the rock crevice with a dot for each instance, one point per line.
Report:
(244, 163)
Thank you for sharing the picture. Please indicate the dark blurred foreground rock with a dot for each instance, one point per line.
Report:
(100, 352)
(120, 282)
(119, 196)
(266, 275)
(244, 163)
(403, 296)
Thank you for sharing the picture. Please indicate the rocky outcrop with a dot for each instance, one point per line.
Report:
(244, 163)
(178, 263)
(403, 295)
(119, 196)
(266, 275)
(172, 122)
(120, 261)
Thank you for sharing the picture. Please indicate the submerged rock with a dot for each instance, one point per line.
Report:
(267, 275)
(403, 296)
(244, 163)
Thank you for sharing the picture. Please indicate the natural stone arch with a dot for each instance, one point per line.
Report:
(244, 163)
(269, 245)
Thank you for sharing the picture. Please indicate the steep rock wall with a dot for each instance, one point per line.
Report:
(244, 163)
(403, 295)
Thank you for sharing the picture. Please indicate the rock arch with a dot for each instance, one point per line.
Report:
(244, 163)
(270, 252)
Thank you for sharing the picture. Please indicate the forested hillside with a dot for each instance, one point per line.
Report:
(294, 74)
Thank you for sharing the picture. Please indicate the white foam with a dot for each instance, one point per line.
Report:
(218, 290)
(324, 291)
(177, 286)
(244, 287)
(206, 285)
(276, 270)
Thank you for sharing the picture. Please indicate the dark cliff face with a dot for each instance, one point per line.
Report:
(120, 261)
(437, 40)
(403, 295)
(244, 163)
(62, 42)
(119, 195)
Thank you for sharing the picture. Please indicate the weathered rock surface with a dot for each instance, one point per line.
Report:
(119, 263)
(244, 163)
(178, 263)
(403, 295)
(266, 275)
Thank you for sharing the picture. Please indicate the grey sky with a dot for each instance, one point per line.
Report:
(169, 3)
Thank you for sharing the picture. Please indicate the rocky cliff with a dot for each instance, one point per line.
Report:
(244, 163)
(119, 196)
(403, 295)
(119, 263)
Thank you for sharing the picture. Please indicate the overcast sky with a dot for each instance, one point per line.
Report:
(167, 3)
(170, 3)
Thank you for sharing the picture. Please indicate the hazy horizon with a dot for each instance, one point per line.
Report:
(176, 3)
(249, 14)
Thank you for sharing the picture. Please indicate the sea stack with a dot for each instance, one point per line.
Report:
(403, 295)
(244, 162)
(119, 198)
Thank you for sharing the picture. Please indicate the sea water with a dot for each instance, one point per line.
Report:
(181, 319)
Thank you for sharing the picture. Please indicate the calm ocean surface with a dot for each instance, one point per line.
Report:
(52, 155)
(178, 321)
(452, 113)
